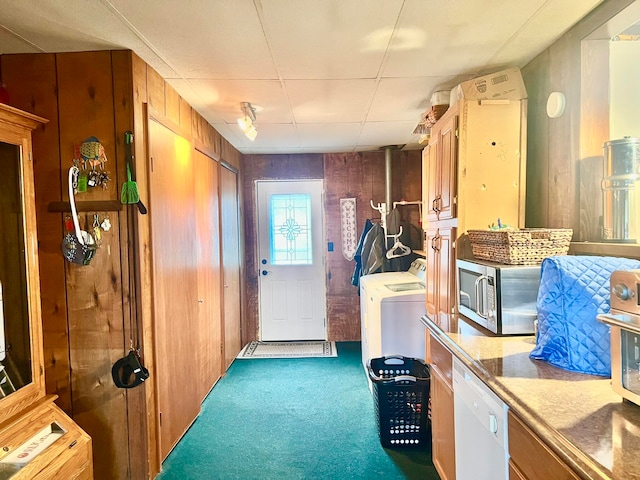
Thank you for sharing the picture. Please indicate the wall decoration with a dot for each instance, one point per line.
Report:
(348, 227)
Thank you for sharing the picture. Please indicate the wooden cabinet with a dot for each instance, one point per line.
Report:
(439, 283)
(440, 156)
(530, 458)
(441, 397)
(474, 173)
(37, 440)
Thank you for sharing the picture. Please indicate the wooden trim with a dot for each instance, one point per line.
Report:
(163, 120)
(205, 150)
(87, 206)
(229, 167)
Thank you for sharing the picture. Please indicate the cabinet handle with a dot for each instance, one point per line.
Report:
(434, 204)
(434, 243)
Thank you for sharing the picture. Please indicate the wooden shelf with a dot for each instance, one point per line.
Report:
(87, 206)
(422, 253)
(629, 250)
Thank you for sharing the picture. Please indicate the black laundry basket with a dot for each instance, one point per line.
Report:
(401, 398)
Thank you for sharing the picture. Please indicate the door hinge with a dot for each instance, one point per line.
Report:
(151, 161)
(455, 199)
(41, 370)
(453, 244)
(31, 156)
(160, 415)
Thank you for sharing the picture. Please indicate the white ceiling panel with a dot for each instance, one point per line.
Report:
(396, 99)
(224, 39)
(388, 133)
(329, 101)
(324, 135)
(333, 38)
(334, 75)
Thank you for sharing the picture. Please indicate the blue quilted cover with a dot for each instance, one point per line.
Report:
(573, 291)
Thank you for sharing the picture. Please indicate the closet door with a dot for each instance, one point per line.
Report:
(209, 275)
(230, 233)
(172, 212)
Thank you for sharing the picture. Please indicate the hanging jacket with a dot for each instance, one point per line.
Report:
(357, 257)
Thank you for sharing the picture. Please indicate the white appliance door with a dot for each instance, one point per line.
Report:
(480, 428)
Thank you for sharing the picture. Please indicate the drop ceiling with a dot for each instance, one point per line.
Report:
(324, 76)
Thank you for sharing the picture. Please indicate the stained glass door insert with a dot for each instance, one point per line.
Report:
(290, 229)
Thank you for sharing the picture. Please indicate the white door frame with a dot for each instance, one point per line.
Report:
(291, 298)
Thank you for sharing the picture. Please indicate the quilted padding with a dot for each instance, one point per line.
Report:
(573, 291)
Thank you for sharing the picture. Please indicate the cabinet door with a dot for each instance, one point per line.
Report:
(432, 258)
(442, 427)
(447, 162)
(531, 457)
(432, 196)
(444, 244)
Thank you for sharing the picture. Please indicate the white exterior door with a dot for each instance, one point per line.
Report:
(291, 260)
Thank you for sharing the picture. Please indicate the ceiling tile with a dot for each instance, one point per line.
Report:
(388, 133)
(326, 135)
(204, 38)
(329, 101)
(331, 38)
(403, 99)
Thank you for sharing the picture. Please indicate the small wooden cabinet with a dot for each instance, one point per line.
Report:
(530, 458)
(37, 440)
(439, 282)
(441, 397)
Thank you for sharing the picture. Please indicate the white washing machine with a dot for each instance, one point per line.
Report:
(391, 305)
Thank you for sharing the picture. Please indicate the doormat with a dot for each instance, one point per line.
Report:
(288, 350)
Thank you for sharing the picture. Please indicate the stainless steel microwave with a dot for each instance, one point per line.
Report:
(501, 298)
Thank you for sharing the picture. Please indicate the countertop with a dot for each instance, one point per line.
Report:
(578, 416)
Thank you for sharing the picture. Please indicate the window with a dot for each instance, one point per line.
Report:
(290, 229)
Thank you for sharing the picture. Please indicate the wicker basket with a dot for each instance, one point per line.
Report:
(528, 246)
(432, 115)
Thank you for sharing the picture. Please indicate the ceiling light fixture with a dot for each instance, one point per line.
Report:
(247, 120)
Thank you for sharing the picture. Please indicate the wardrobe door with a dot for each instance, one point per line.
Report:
(209, 303)
(230, 236)
(174, 255)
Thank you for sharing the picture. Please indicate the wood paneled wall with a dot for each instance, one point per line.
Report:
(345, 175)
(88, 311)
(562, 151)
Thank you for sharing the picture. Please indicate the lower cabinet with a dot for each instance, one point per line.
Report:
(442, 427)
(531, 459)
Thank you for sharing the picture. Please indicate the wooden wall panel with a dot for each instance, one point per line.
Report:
(143, 249)
(135, 398)
(172, 106)
(155, 91)
(94, 296)
(229, 154)
(31, 79)
(186, 114)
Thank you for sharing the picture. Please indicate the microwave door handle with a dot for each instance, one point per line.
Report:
(477, 288)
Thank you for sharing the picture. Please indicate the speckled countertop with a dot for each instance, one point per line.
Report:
(578, 416)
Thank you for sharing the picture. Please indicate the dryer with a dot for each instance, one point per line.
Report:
(391, 304)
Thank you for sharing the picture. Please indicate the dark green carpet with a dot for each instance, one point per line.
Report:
(310, 418)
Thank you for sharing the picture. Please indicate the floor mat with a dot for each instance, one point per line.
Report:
(288, 350)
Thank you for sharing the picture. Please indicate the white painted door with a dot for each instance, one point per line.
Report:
(291, 260)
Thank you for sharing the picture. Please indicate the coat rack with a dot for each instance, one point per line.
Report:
(382, 208)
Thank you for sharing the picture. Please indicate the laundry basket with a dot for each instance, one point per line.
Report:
(401, 398)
